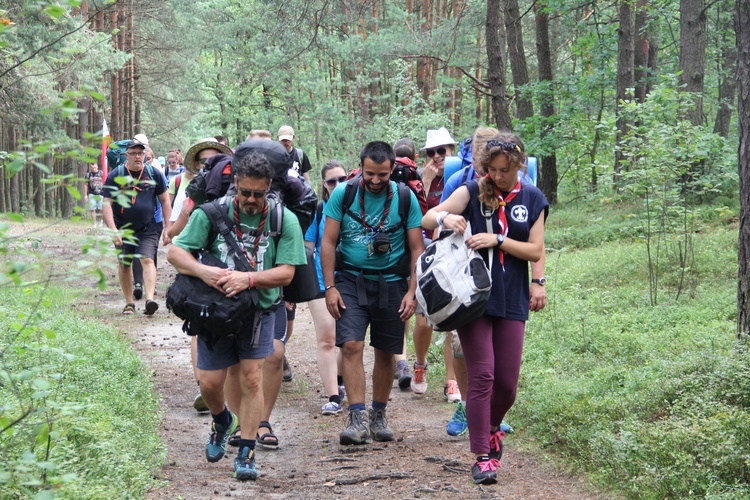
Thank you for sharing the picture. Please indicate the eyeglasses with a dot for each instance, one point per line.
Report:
(335, 180)
(252, 193)
(439, 151)
(505, 146)
(133, 153)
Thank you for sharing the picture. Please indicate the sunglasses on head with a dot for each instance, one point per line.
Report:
(505, 146)
(439, 151)
(335, 180)
(252, 193)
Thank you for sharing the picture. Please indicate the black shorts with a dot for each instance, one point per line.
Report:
(291, 313)
(386, 327)
(145, 246)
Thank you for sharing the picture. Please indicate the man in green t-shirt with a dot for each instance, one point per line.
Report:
(274, 259)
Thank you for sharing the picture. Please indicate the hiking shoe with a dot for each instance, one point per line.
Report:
(199, 404)
(451, 392)
(484, 472)
(331, 408)
(496, 445)
(357, 430)
(379, 426)
(217, 439)
(419, 379)
(403, 375)
(458, 425)
(244, 465)
(151, 307)
(506, 428)
(342, 392)
(138, 291)
(287, 371)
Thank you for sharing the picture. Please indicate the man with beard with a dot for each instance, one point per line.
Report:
(375, 236)
(274, 259)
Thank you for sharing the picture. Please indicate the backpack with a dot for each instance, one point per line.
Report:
(116, 153)
(403, 266)
(464, 152)
(198, 189)
(207, 311)
(453, 282)
(408, 174)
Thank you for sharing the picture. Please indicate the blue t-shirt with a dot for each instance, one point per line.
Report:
(314, 234)
(509, 297)
(141, 213)
(355, 239)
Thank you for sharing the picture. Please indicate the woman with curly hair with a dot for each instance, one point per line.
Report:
(506, 219)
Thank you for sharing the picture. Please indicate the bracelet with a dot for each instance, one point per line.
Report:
(440, 217)
(250, 279)
(329, 287)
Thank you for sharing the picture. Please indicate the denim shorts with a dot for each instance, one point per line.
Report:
(386, 327)
(228, 351)
(95, 201)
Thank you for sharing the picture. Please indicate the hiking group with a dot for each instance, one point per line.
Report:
(247, 224)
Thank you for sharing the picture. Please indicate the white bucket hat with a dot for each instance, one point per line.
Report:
(439, 137)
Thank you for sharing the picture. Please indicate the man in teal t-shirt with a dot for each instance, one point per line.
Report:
(274, 262)
(372, 288)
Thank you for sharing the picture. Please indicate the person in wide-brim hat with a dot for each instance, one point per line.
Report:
(192, 162)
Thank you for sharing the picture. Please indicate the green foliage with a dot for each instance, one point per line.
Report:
(652, 400)
(67, 402)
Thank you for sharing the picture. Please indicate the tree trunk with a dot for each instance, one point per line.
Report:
(727, 89)
(517, 56)
(642, 51)
(742, 30)
(496, 65)
(693, 53)
(625, 81)
(548, 170)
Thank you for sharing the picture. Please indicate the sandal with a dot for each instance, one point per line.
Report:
(267, 439)
(129, 309)
(234, 439)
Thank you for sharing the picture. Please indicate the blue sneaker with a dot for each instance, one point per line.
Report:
(244, 465)
(506, 428)
(457, 426)
(217, 439)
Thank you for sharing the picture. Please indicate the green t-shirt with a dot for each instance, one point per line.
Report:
(355, 238)
(291, 247)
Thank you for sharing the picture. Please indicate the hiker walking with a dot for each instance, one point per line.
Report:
(92, 192)
(380, 240)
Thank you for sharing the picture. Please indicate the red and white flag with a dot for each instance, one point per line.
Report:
(106, 139)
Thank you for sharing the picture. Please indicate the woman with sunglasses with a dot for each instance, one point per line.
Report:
(329, 363)
(507, 226)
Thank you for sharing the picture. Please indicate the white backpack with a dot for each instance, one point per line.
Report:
(453, 283)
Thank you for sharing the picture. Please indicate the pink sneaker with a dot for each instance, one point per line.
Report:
(451, 392)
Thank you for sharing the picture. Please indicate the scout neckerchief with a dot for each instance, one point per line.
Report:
(258, 232)
(502, 218)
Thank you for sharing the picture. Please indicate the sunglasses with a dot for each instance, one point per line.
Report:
(439, 151)
(203, 161)
(252, 193)
(335, 180)
(505, 146)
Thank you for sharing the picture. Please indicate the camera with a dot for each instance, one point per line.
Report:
(381, 243)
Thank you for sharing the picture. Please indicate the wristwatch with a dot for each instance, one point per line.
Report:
(541, 281)
(500, 239)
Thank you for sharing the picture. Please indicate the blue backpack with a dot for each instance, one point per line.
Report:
(116, 153)
(464, 152)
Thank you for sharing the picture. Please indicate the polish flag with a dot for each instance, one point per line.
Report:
(106, 139)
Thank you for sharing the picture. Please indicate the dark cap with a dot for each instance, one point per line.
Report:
(134, 143)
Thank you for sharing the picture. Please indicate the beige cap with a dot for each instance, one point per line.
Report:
(286, 133)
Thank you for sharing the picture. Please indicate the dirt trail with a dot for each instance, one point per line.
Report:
(309, 463)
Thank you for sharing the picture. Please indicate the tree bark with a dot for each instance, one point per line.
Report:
(642, 52)
(517, 56)
(727, 89)
(625, 81)
(693, 53)
(742, 30)
(496, 61)
(548, 170)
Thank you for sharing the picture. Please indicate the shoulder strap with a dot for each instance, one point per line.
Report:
(349, 193)
(404, 203)
(217, 213)
(177, 181)
(465, 175)
(300, 154)
(319, 212)
(276, 214)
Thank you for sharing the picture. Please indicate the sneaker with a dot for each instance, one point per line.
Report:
(138, 291)
(506, 428)
(244, 465)
(458, 425)
(403, 375)
(496, 445)
(451, 392)
(342, 392)
(331, 408)
(357, 430)
(419, 380)
(287, 373)
(379, 426)
(484, 472)
(199, 404)
(217, 439)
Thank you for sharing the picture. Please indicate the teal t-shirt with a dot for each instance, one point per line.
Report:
(291, 249)
(355, 238)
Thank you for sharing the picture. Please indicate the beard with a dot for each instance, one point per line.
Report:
(377, 189)
(251, 208)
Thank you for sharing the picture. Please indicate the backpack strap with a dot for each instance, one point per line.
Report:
(276, 214)
(319, 212)
(300, 155)
(465, 175)
(217, 213)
